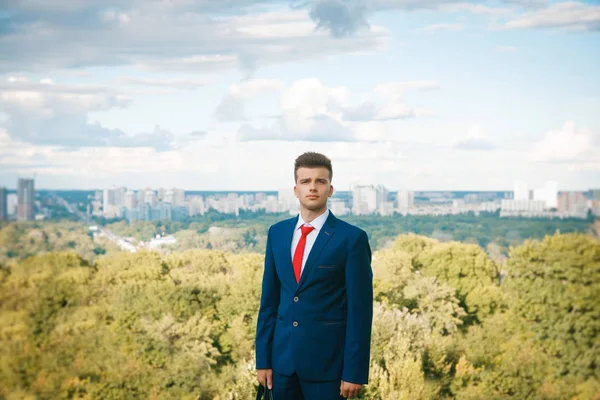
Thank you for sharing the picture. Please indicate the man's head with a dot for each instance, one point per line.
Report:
(310, 159)
(313, 173)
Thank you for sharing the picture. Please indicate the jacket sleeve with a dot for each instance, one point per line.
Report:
(359, 292)
(267, 314)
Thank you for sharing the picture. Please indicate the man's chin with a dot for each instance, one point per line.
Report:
(315, 207)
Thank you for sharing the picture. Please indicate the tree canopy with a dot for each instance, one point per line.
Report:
(150, 325)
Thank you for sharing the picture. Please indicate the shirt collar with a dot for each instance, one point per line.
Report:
(316, 223)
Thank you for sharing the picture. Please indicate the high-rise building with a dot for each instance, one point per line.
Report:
(288, 201)
(173, 196)
(120, 196)
(3, 203)
(364, 199)
(595, 194)
(178, 197)
(25, 199)
(406, 200)
(150, 197)
(338, 206)
(196, 205)
(141, 194)
(547, 194)
(521, 191)
(572, 202)
(12, 204)
(108, 199)
(130, 200)
(551, 192)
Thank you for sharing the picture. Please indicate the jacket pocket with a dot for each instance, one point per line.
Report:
(328, 266)
(328, 330)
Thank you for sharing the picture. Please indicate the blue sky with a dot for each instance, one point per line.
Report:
(204, 95)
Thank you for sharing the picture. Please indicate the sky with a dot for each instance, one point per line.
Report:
(224, 95)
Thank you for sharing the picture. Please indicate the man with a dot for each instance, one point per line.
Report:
(314, 324)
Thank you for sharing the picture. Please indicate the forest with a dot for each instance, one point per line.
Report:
(247, 232)
(450, 320)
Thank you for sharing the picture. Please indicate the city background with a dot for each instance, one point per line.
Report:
(176, 204)
(100, 208)
(146, 147)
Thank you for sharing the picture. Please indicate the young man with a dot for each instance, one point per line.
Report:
(314, 324)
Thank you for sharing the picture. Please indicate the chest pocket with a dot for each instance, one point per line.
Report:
(329, 267)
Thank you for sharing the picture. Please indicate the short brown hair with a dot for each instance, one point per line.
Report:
(310, 159)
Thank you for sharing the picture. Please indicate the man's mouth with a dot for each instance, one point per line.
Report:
(313, 197)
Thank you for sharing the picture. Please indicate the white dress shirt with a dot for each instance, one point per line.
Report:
(316, 223)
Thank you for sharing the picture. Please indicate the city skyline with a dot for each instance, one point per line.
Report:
(176, 204)
(436, 95)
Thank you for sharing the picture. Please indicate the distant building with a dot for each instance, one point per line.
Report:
(3, 203)
(25, 199)
(178, 197)
(130, 200)
(405, 201)
(371, 199)
(521, 191)
(489, 206)
(150, 197)
(523, 205)
(161, 193)
(551, 190)
(338, 207)
(574, 203)
(548, 194)
(140, 194)
(288, 201)
(112, 202)
(258, 197)
(11, 204)
(196, 205)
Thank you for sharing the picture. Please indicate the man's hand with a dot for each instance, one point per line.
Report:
(350, 390)
(265, 377)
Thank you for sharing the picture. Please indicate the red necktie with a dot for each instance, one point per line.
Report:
(299, 253)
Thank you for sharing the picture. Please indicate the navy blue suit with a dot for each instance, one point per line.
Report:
(319, 328)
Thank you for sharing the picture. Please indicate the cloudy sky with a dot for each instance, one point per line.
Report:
(223, 95)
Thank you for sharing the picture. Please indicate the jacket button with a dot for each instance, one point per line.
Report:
(296, 299)
(295, 323)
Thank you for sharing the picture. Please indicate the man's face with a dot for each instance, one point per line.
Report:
(313, 187)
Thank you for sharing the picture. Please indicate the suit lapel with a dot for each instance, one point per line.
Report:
(325, 234)
(288, 267)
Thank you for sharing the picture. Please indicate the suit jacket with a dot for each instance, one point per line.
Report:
(319, 328)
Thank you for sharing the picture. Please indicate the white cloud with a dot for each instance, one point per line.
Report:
(189, 38)
(54, 114)
(395, 90)
(311, 111)
(477, 9)
(476, 139)
(569, 15)
(20, 157)
(231, 107)
(586, 166)
(566, 144)
(181, 84)
(253, 87)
